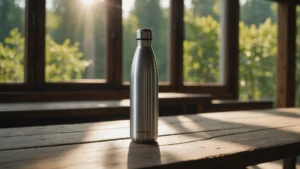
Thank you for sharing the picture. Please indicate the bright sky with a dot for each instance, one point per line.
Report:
(127, 4)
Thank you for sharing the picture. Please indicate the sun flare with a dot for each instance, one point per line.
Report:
(88, 2)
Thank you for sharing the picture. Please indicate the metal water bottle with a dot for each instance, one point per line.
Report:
(144, 91)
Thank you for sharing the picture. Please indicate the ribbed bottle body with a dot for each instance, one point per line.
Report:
(144, 94)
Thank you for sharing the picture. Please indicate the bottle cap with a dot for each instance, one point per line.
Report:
(144, 34)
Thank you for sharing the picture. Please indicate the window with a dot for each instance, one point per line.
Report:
(83, 48)
(135, 16)
(298, 58)
(12, 28)
(75, 41)
(202, 41)
(258, 49)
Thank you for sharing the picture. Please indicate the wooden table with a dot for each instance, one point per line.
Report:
(212, 140)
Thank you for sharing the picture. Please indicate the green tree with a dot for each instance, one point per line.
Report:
(130, 25)
(201, 49)
(206, 7)
(257, 60)
(84, 24)
(64, 61)
(11, 16)
(12, 58)
(140, 17)
(257, 11)
(202, 41)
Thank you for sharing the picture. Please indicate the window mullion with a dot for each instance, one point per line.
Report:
(35, 43)
(176, 42)
(230, 46)
(114, 42)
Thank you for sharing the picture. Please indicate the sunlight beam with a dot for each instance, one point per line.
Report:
(88, 2)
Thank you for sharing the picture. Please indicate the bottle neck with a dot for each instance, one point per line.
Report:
(144, 43)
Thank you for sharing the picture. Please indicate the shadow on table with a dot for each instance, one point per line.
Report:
(239, 129)
(141, 155)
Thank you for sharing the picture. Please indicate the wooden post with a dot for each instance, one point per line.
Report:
(114, 42)
(35, 43)
(176, 40)
(285, 92)
(230, 46)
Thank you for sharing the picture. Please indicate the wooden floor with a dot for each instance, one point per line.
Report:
(213, 140)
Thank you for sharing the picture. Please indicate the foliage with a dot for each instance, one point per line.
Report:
(257, 11)
(257, 60)
(140, 18)
(201, 49)
(206, 7)
(64, 61)
(12, 58)
(84, 24)
(129, 44)
(11, 16)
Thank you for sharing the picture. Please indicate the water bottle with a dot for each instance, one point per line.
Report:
(144, 91)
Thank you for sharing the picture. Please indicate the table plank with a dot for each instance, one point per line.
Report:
(216, 140)
(39, 130)
(173, 151)
(205, 124)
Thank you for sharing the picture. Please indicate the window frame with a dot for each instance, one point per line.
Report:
(35, 88)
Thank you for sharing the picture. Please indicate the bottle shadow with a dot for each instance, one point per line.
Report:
(143, 155)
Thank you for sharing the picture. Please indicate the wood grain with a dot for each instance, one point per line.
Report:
(214, 149)
(197, 118)
(17, 138)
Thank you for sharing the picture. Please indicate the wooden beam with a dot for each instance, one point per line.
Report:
(285, 95)
(233, 105)
(176, 42)
(114, 42)
(286, 54)
(35, 43)
(230, 46)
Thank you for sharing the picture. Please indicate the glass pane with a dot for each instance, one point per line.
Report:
(75, 40)
(258, 49)
(136, 15)
(298, 59)
(12, 27)
(202, 41)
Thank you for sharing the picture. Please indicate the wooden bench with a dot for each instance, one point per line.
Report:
(39, 113)
(45, 113)
(209, 140)
(232, 105)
